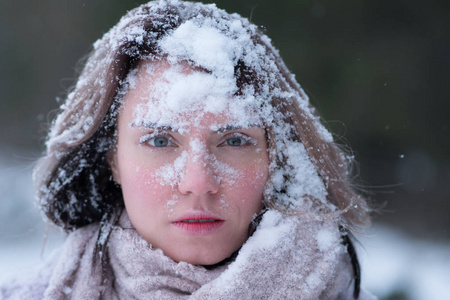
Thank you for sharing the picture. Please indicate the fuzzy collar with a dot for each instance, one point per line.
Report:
(286, 258)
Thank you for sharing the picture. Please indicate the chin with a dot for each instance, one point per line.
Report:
(202, 261)
(199, 258)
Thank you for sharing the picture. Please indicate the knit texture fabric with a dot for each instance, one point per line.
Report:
(286, 258)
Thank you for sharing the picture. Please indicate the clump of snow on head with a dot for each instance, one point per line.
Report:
(204, 45)
(214, 47)
(176, 94)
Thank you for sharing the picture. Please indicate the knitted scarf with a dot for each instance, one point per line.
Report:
(286, 258)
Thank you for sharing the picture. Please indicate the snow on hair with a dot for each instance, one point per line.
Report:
(309, 174)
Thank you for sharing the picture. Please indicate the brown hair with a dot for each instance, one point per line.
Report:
(74, 180)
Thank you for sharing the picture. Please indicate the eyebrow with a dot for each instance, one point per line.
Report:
(154, 126)
(221, 129)
(234, 127)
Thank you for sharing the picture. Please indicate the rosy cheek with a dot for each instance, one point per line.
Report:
(255, 180)
(246, 190)
(158, 185)
(256, 173)
(140, 181)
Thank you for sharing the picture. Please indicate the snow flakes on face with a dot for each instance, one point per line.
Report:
(172, 174)
(198, 149)
(223, 173)
(172, 203)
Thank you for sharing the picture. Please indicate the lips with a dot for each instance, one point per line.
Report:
(199, 221)
(198, 224)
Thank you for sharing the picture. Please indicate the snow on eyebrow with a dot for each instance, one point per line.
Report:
(153, 126)
(251, 122)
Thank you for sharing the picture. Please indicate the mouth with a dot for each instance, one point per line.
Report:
(199, 225)
(200, 221)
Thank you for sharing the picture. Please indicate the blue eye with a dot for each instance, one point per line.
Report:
(159, 141)
(235, 141)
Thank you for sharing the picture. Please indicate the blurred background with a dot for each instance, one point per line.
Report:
(377, 71)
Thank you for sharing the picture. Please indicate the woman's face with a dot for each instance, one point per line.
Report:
(193, 181)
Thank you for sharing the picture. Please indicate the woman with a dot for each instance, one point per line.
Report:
(187, 163)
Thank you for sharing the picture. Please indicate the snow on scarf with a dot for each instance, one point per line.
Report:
(286, 258)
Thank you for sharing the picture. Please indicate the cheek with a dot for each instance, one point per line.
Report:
(241, 168)
(142, 184)
(254, 181)
(146, 199)
(246, 185)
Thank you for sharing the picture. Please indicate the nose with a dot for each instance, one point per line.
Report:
(199, 178)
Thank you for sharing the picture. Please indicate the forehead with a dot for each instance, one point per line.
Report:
(179, 95)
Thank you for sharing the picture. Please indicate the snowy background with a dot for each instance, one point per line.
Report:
(376, 70)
